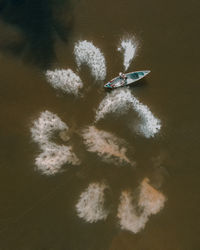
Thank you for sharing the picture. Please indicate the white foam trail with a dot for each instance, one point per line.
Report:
(128, 215)
(128, 46)
(44, 127)
(150, 202)
(150, 199)
(150, 125)
(90, 206)
(119, 101)
(66, 80)
(105, 144)
(86, 53)
(53, 156)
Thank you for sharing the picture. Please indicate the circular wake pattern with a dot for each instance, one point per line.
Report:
(86, 53)
(134, 208)
(66, 80)
(90, 206)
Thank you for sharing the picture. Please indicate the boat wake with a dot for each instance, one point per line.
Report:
(134, 208)
(133, 216)
(53, 156)
(65, 80)
(90, 205)
(129, 47)
(106, 145)
(120, 101)
(86, 53)
(150, 125)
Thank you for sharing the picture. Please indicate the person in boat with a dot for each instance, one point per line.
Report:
(123, 77)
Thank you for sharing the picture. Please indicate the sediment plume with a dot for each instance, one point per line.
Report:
(65, 80)
(53, 156)
(128, 46)
(86, 53)
(133, 216)
(90, 206)
(106, 145)
(128, 215)
(120, 101)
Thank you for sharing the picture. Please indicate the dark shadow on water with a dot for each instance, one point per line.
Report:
(139, 84)
(29, 28)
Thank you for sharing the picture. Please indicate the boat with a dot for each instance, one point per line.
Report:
(128, 79)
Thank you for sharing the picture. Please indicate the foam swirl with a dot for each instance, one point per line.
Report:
(90, 205)
(134, 216)
(53, 156)
(65, 80)
(120, 101)
(86, 53)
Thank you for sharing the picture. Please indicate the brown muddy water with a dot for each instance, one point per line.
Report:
(145, 198)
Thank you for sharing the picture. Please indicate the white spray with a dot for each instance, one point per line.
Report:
(128, 46)
(150, 202)
(119, 101)
(65, 80)
(90, 206)
(86, 53)
(53, 156)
